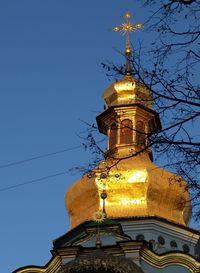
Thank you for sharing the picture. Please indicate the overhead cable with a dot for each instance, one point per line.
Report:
(38, 157)
(33, 181)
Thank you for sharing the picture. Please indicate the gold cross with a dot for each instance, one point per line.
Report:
(126, 28)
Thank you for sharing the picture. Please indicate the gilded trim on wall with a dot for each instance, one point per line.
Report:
(52, 267)
(168, 259)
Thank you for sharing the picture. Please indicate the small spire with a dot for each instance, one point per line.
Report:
(126, 28)
(103, 197)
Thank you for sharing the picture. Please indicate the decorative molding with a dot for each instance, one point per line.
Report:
(168, 259)
(52, 267)
(155, 223)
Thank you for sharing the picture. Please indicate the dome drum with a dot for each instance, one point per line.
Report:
(128, 126)
(117, 113)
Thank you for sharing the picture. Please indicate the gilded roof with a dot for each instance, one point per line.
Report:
(135, 187)
(127, 91)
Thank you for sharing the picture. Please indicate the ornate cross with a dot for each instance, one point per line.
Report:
(127, 27)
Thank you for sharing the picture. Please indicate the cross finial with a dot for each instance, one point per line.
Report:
(126, 28)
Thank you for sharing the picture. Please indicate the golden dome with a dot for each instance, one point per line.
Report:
(135, 188)
(134, 185)
(127, 91)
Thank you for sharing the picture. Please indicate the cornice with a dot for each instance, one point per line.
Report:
(126, 107)
(168, 259)
(157, 220)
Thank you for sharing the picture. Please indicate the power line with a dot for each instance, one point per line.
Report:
(33, 181)
(38, 157)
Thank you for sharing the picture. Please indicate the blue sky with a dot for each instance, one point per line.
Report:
(50, 78)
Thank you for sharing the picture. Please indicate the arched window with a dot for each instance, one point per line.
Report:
(140, 133)
(113, 135)
(126, 132)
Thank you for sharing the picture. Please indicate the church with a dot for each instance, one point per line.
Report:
(127, 215)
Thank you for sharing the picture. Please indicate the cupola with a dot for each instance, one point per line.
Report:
(134, 185)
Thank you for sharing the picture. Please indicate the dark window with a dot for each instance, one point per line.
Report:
(173, 244)
(161, 240)
(140, 133)
(113, 135)
(140, 237)
(186, 248)
(126, 132)
(151, 125)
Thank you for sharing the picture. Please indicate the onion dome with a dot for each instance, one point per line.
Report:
(127, 91)
(101, 262)
(135, 187)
